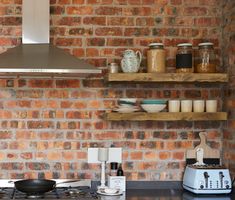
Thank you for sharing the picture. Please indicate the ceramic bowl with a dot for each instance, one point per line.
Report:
(154, 101)
(153, 108)
(127, 101)
(110, 190)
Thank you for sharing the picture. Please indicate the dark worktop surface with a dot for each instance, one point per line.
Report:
(173, 194)
(158, 190)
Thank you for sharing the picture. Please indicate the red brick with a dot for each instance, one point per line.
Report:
(137, 31)
(68, 83)
(108, 11)
(63, 1)
(150, 155)
(67, 155)
(98, 62)
(95, 41)
(78, 52)
(121, 21)
(120, 42)
(164, 155)
(80, 10)
(107, 135)
(134, 2)
(81, 31)
(92, 52)
(178, 155)
(5, 135)
(40, 83)
(57, 94)
(176, 2)
(121, 2)
(7, 41)
(189, 2)
(137, 11)
(66, 21)
(210, 2)
(68, 41)
(207, 21)
(195, 11)
(40, 124)
(147, 21)
(147, 165)
(107, 52)
(78, 115)
(26, 135)
(57, 10)
(100, 21)
(26, 155)
(106, 31)
(78, 1)
(81, 155)
(136, 155)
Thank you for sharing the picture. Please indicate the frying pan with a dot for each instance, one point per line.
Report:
(37, 186)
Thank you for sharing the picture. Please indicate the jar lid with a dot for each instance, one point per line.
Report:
(155, 44)
(205, 44)
(184, 44)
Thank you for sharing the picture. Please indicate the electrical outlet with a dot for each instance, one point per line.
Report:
(115, 155)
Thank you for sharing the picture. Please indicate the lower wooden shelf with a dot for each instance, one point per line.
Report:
(165, 116)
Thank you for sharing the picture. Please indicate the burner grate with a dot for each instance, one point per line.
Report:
(81, 193)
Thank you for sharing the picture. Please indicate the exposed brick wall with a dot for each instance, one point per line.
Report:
(229, 61)
(46, 125)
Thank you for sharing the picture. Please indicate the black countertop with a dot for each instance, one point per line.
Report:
(165, 190)
(172, 194)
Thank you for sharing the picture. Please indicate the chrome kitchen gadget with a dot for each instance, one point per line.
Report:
(207, 179)
(203, 173)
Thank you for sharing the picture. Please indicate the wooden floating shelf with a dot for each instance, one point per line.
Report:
(165, 116)
(168, 77)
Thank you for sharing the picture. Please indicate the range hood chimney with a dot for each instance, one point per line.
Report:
(36, 56)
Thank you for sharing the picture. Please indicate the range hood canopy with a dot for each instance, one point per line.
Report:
(36, 56)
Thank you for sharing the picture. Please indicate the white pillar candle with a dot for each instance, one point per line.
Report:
(103, 154)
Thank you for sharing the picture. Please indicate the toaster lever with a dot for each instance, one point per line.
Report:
(206, 176)
(221, 176)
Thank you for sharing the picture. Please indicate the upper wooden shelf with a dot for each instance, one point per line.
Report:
(167, 77)
(165, 116)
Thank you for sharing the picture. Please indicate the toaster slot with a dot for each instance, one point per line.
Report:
(221, 176)
(206, 176)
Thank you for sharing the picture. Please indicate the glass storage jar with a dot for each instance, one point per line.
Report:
(156, 58)
(184, 58)
(206, 58)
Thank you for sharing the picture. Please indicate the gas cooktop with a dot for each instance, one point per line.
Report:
(75, 190)
(81, 193)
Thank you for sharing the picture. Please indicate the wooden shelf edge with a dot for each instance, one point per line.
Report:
(165, 116)
(168, 77)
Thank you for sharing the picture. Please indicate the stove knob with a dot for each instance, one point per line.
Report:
(201, 186)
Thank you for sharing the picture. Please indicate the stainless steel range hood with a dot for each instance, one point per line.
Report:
(36, 56)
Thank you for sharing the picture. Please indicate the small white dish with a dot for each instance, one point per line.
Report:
(109, 192)
(153, 108)
(128, 100)
(126, 106)
(125, 110)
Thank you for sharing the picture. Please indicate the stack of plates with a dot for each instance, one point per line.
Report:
(126, 105)
(153, 105)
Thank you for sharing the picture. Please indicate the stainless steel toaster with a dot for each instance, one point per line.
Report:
(207, 179)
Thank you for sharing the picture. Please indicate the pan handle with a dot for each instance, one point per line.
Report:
(70, 181)
(11, 181)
